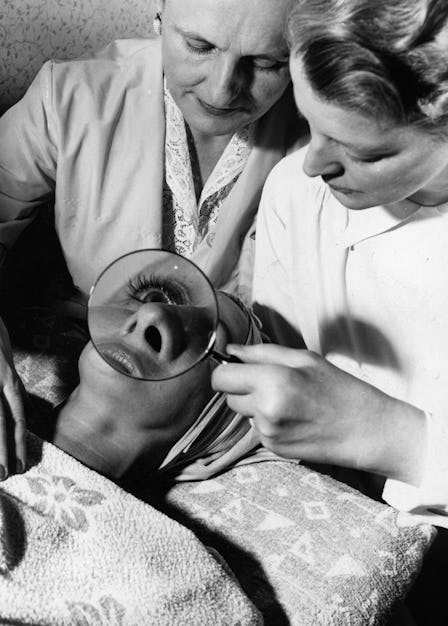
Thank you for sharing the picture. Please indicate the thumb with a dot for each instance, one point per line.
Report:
(269, 354)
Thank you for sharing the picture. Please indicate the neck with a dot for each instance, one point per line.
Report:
(108, 445)
(430, 198)
(436, 192)
(205, 152)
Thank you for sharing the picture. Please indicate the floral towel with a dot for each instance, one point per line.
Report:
(77, 550)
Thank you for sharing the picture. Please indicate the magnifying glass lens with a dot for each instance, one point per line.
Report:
(152, 314)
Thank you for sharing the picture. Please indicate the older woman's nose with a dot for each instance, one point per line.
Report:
(226, 83)
(320, 159)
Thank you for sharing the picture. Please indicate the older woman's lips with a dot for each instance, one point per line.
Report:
(219, 111)
(122, 359)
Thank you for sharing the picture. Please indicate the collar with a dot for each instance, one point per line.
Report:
(177, 160)
(357, 226)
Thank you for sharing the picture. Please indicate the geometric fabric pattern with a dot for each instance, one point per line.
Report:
(307, 549)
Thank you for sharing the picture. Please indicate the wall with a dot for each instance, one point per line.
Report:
(32, 31)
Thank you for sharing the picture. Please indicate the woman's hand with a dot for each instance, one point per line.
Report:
(306, 408)
(12, 413)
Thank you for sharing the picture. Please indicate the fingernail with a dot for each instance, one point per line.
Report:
(20, 466)
(3, 473)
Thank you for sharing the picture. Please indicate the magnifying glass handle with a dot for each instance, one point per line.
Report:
(225, 358)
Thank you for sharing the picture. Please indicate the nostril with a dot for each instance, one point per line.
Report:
(154, 338)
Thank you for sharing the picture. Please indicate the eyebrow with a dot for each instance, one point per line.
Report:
(193, 35)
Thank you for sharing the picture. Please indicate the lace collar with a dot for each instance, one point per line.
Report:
(179, 173)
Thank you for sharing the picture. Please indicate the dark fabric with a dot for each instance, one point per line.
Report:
(428, 599)
(35, 271)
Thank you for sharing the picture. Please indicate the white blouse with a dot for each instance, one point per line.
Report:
(369, 291)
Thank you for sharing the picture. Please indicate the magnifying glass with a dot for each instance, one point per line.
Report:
(153, 315)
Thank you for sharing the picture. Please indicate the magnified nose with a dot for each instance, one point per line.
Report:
(158, 328)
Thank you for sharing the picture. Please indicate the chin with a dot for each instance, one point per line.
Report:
(216, 125)
(215, 128)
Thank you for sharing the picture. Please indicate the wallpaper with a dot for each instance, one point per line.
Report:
(32, 31)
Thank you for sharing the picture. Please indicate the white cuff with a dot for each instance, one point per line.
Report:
(428, 501)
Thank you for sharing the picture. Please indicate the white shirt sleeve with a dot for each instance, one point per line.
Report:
(428, 502)
(28, 157)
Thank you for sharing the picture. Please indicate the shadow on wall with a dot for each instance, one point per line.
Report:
(33, 31)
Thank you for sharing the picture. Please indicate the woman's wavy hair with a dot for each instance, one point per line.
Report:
(387, 59)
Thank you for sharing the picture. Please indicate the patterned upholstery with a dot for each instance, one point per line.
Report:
(307, 550)
(32, 31)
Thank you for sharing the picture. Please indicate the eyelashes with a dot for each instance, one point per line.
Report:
(199, 49)
(262, 65)
(151, 288)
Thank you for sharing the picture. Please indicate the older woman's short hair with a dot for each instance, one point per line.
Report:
(384, 58)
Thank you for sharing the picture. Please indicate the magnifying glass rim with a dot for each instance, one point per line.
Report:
(208, 350)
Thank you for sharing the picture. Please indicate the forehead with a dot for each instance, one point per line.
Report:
(346, 126)
(252, 26)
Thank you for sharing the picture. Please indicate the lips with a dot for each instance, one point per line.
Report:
(344, 190)
(218, 111)
(122, 359)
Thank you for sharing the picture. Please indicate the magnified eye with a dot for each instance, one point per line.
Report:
(150, 288)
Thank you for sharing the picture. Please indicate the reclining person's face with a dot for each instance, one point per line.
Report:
(113, 419)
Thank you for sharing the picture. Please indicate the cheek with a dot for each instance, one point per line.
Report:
(374, 179)
(268, 87)
(179, 68)
(197, 385)
(178, 402)
(378, 178)
(194, 385)
(400, 180)
(104, 322)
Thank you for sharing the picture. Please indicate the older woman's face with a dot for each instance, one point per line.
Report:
(225, 61)
(367, 162)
